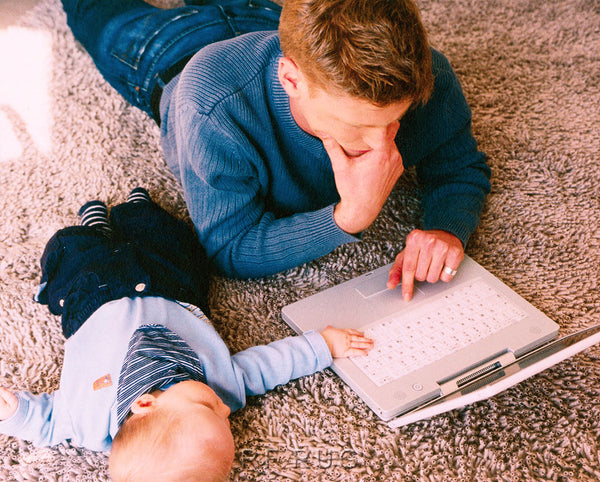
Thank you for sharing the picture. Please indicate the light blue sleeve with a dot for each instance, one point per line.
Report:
(34, 420)
(262, 368)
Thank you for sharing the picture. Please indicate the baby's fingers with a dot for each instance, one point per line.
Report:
(357, 352)
(358, 344)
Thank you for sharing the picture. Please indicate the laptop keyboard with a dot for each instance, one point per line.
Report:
(410, 341)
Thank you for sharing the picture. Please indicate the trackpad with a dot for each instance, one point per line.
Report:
(373, 285)
(377, 283)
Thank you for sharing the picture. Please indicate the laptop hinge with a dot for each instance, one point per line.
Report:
(455, 383)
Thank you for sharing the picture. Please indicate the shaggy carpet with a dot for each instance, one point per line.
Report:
(531, 72)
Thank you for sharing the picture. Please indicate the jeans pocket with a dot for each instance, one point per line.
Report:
(266, 4)
(135, 37)
(252, 15)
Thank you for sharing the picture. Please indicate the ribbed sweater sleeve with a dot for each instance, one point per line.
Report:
(452, 172)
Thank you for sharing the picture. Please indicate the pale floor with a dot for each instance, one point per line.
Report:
(11, 10)
(24, 64)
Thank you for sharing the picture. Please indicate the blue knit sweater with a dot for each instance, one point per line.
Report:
(261, 191)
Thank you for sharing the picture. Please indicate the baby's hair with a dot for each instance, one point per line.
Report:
(166, 445)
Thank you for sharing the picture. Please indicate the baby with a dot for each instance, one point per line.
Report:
(145, 375)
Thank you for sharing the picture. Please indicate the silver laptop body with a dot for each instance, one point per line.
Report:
(364, 303)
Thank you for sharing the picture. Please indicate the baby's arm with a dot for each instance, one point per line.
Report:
(8, 403)
(261, 368)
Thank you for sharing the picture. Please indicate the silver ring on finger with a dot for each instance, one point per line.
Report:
(449, 271)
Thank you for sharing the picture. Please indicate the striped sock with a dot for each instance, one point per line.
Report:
(138, 195)
(95, 214)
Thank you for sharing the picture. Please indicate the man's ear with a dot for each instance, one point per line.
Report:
(144, 404)
(290, 76)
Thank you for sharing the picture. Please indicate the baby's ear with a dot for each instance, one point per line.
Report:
(143, 404)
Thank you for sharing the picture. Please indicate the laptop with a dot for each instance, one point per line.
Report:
(453, 344)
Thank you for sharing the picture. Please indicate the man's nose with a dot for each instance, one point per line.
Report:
(377, 137)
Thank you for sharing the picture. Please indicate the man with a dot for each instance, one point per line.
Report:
(286, 150)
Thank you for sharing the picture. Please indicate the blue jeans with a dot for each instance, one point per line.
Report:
(138, 47)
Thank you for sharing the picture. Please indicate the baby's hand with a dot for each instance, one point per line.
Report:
(345, 343)
(8, 403)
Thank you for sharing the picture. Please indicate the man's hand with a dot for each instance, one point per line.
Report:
(363, 182)
(345, 343)
(8, 403)
(428, 256)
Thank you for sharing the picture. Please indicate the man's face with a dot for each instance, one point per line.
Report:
(356, 124)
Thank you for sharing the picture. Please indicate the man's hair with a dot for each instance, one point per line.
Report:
(375, 50)
(166, 445)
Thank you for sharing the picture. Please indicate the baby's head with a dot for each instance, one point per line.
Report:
(181, 434)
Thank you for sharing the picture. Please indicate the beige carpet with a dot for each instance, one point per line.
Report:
(531, 72)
